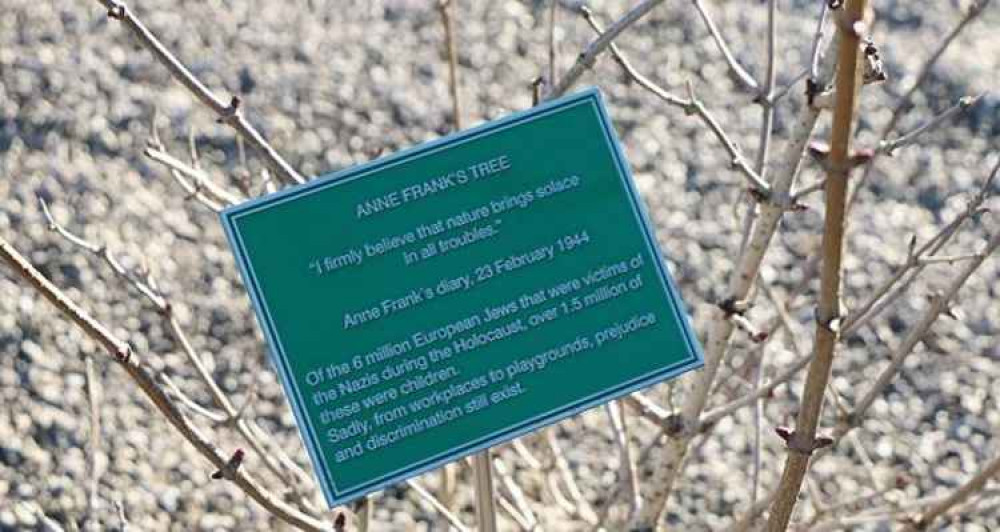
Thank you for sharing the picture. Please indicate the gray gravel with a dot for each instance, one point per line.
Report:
(329, 82)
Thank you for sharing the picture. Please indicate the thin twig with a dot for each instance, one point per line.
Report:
(277, 460)
(691, 106)
(452, 519)
(515, 494)
(121, 353)
(958, 496)
(905, 102)
(553, 11)
(767, 118)
(891, 289)
(582, 508)
(447, 10)
(217, 418)
(201, 181)
(522, 450)
(627, 468)
(586, 59)
(817, 48)
(939, 305)
(230, 113)
(738, 71)
(194, 190)
(889, 147)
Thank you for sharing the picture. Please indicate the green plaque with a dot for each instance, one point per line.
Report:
(451, 297)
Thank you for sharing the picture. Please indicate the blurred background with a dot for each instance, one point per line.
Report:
(331, 83)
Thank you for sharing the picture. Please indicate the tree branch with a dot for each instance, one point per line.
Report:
(803, 441)
(279, 463)
(739, 72)
(121, 353)
(691, 106)
(587, 58)
(960, 495)
(230, 114)
(906, 101)
(889, 147)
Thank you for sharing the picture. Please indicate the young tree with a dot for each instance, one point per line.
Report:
(763, 298)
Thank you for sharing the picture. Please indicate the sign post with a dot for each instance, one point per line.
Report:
(486, 512)
(428, 305)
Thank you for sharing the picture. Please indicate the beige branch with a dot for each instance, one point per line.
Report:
(230, 114)
(916, 333)
(663, 468)
(739, 72)
(803, 441)
(200, 182)
(889, 147)
(960, 495)
(121, 353)
(692, 106)
(452, 519)
(277, 461)
(905, 103)
(587, 58)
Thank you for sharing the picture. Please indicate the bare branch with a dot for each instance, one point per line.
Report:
(581, 508)
(121, 353)
(817, 48)
(767, 119)
(522, 450)
(195, 190)
(739, 72)
(715, 415)
(889, 147)
(515, 493)
(230, 113)
(960, 495)
(906, 101)
(891, 289)
(691, 106)
(629, 473)
(553, 10)
(447, 10)
(803, 441)
(217, 418)
(201, 182)
(277, 461)
(696, 107)
(452, 519)
(586, 59)
(664, 467)
(916, 333)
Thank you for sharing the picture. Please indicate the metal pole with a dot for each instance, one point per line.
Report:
(486, 512)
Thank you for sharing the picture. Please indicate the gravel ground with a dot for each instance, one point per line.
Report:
(330, 82)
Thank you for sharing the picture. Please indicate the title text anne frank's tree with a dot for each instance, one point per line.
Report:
(842, 61)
